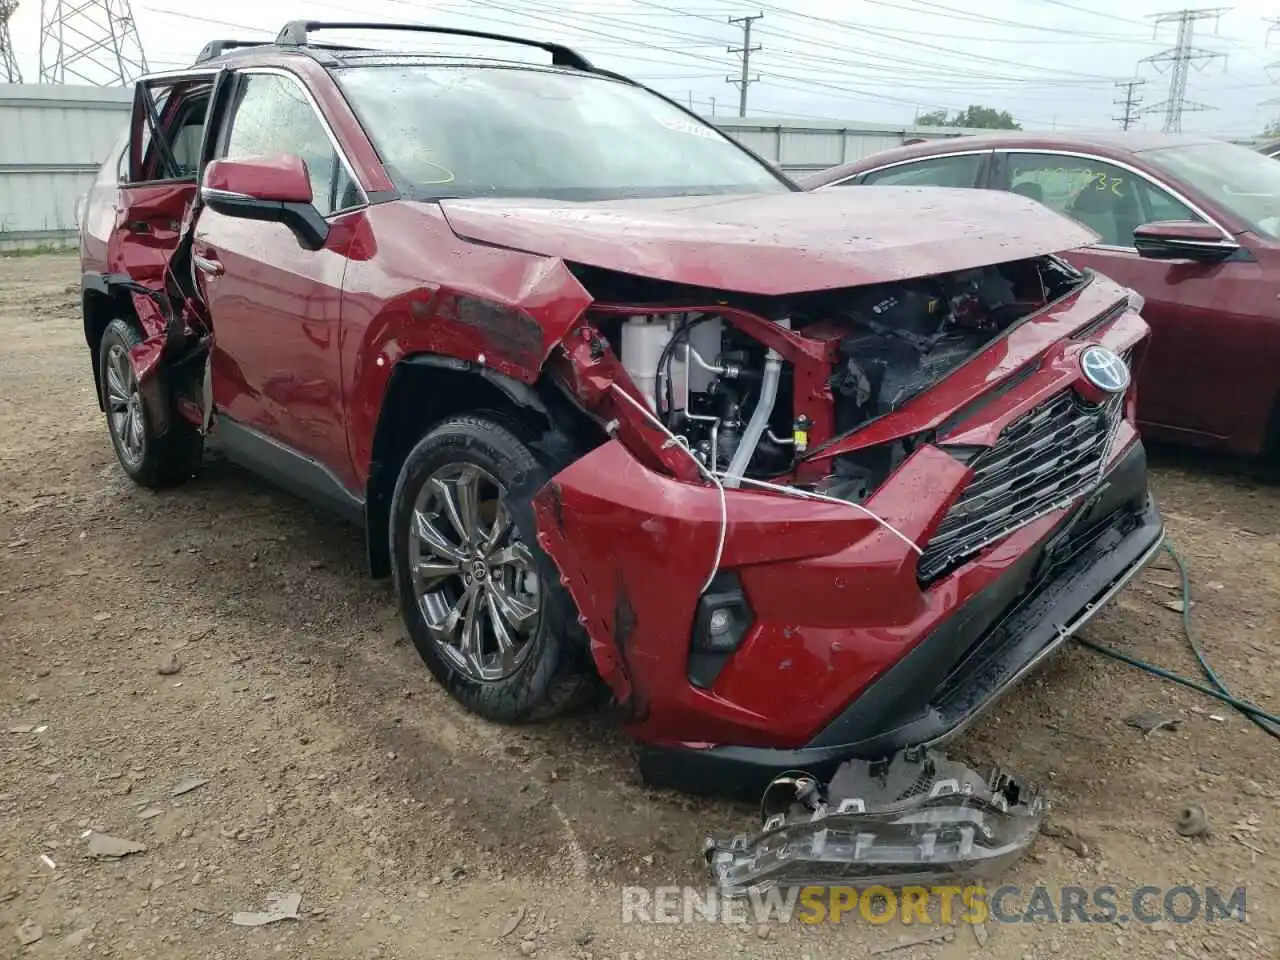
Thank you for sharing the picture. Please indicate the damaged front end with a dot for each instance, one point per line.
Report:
(916, 818)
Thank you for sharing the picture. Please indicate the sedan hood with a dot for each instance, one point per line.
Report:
(777, 244)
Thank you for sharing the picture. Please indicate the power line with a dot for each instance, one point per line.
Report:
(746, 50)
(1129, 102)
(1179, 59)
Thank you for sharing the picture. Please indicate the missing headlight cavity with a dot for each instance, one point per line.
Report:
(756, 385)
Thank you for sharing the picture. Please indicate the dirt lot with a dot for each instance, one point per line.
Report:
(337, 770)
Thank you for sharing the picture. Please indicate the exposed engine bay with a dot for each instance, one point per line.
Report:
(747, 412)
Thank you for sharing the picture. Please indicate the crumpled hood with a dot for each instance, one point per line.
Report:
(776, 244)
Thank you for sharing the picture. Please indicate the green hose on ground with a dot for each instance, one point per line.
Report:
(1269, 722)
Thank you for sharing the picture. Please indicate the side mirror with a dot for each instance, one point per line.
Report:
(1182, 240)
(276, 189)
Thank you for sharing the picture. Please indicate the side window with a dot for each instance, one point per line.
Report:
(181, 109)
(273, 116)
(1108, 199)
(934, 172)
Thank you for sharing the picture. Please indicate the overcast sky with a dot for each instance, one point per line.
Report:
(1051, 63)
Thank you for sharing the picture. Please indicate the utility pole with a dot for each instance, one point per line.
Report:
(90, 41)
(1129, 101)
(713, 106)
(1178, 59)
(1273, 23)
(9, 71)
(746, 50)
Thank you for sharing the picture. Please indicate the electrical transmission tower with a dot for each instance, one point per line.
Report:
(746, 50)
(1178, 59)
(9, 71)
(1129, 102)
(89, 41)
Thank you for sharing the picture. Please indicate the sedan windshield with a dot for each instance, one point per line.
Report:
(1243, 181)
(491, 131)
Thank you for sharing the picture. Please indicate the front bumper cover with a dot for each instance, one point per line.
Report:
(969, 660)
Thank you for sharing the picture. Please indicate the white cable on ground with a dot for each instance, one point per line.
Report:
(715, 481)
(809, 495)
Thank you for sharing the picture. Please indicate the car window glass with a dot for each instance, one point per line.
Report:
(181, 109)
(935, 172)
(274, 117)
(1110, 200)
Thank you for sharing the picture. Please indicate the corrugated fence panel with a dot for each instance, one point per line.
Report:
(801, 146)
(52, 141)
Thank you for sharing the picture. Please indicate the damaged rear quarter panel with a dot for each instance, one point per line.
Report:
(398, 301)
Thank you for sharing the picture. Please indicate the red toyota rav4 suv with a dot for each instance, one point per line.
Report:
(801, 476)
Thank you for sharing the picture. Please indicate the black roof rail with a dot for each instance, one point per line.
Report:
(216, 48)
(295, 33)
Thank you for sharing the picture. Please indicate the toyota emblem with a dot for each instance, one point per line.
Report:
(1104, 369)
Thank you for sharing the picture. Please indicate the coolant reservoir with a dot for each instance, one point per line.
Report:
(643, 339)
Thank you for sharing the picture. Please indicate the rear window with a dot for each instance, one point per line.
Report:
(490, 131)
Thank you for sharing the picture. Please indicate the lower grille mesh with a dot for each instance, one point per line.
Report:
(1041, 462)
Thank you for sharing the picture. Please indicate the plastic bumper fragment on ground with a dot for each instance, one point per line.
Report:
(917, 818)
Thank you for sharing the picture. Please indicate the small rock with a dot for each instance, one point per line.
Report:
(43, 672)
(980, 933)
(764, 931)
(513, 921)
(101, 617)
(104, 847)
(1251, 788)
(22, 727)
(30, 932)
(73, 940)
(169, 666)
(187, 784)
(150, 813)
(528, 948)
(33, 698)
(1192, 821)
(1076, 845)
(268, 697)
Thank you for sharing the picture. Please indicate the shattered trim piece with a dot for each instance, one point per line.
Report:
(915, 818)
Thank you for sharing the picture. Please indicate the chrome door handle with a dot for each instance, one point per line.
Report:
(212, 267)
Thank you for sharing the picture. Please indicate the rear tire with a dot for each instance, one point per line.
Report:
(482, 602)
(150, 459)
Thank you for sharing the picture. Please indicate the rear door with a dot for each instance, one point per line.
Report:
(1185, 374)
(157, 173)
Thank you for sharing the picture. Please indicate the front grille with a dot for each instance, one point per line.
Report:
(1041, 462)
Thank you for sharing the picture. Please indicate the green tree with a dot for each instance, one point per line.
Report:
(984, 118)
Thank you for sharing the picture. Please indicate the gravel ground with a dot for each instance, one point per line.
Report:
(225, 632)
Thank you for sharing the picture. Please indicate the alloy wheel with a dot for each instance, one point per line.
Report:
(124, 405)
(476, 583)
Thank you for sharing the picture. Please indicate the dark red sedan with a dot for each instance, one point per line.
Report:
(1192, 224)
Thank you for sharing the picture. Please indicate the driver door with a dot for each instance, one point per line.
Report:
(275, 305)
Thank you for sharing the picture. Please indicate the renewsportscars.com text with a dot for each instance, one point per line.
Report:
(1103, 903)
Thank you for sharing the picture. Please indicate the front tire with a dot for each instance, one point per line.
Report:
(482, 602)
(151, 459)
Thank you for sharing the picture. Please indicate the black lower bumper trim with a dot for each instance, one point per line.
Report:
(964, 666)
